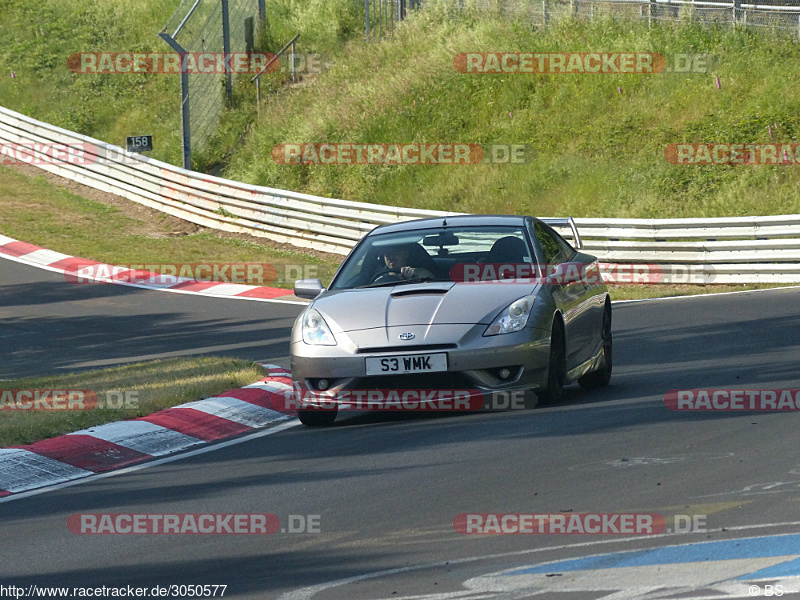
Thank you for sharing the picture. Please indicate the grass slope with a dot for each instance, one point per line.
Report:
(599, 139)
(37, 38)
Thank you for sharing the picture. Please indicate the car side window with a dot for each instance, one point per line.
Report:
(549, 244)
(567, 251)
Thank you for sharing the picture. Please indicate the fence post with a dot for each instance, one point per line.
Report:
(257, 77)
(249, 35)
(293, 63)
(226, 49)
(187, 144)
(546, 13)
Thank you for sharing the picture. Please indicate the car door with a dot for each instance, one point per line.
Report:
(571, 294)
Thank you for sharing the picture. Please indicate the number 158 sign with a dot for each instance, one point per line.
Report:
(140, 143)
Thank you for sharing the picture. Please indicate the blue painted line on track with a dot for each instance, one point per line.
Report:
(764, 547)
(785, 569)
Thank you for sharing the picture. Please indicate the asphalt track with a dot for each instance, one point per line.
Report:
(48, 325)
(388, 487)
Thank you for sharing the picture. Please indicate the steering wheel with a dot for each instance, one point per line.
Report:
(385, 276)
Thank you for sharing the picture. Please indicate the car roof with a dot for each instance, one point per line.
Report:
(452, 221)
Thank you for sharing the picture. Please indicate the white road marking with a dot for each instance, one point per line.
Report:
(310, 592)
(22, 470)
(236, 410)
(154, 463)
(45, 257)
(142, 436)
(145, 287)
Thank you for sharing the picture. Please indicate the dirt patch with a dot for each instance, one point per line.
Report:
(151, 223)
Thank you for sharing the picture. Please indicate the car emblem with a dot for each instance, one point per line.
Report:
(407, 336)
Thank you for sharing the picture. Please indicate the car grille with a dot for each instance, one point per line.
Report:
(407, 348)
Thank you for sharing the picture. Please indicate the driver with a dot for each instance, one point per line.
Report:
(397, 261)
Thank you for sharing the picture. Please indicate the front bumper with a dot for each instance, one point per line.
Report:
(475, 363)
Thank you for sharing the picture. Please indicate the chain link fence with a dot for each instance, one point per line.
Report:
(200, 26)
(768, 15)
(383, 15)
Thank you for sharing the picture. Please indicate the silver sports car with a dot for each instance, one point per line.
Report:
(488, 303)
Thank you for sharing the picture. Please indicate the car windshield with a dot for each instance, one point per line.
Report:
(443, 254)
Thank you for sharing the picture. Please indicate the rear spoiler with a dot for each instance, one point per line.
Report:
(568, 222)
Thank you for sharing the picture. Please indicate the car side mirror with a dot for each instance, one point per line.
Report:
(308, 288)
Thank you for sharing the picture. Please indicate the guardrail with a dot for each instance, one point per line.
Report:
(723, 250)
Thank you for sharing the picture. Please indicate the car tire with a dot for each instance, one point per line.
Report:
(601, 377)
(556, 367)
(317, 417)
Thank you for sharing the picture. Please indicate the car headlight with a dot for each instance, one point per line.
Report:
(315, 330)
(513, 318)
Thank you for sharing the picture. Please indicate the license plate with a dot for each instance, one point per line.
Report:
(407, 363)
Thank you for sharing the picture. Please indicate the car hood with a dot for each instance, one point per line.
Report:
(434, 303)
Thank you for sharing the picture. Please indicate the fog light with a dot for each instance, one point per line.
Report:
(504, 373)
(323, 384)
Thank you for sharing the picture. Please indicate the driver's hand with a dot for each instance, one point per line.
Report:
(407, 272)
